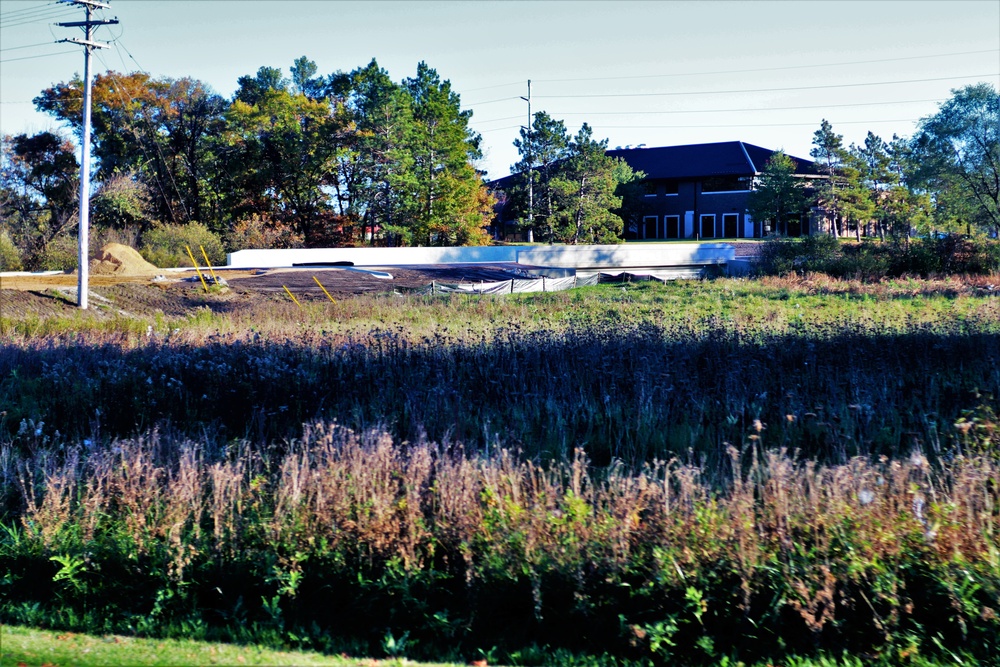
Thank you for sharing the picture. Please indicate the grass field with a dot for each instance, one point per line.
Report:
(24, 646)
(701, 472)
(39, 647)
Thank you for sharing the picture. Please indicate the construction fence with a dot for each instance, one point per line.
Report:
(546, 284)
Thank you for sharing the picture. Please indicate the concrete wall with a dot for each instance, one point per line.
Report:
(372, 256)
(581, 256)
(627, 255)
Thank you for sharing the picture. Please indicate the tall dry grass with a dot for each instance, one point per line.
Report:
(428, 539)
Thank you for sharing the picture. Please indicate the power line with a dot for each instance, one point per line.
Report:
(668, 127)
(26, 46)
(44, 55)
(769, 69)
(735, 71)
(31, 14)
(730, 110)
(41, 18)
(769, 90)
(500, 99)
(737, 125)
(499, 85)
(28, 10)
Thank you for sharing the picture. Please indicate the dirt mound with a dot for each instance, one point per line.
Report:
(120, 260)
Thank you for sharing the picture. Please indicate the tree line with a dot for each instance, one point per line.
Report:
(944, 178)
(303, 160)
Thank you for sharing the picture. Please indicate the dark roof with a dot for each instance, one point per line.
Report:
(727, 158)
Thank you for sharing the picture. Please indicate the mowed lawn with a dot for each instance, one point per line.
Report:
(25, 646)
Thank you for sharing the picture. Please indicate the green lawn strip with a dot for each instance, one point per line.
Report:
(37, 648)
(20, 645)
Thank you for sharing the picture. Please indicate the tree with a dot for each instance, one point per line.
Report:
(541, 149)
(158, 130)
(305, 81)
(585, 189)
(875, 170)
(122, 202)
(375, 183)
(959, 148)
(778, 196)
(828, 150)
(250, 89)
(282, 152)
(855, 196)
(39, 178)
(451, 196)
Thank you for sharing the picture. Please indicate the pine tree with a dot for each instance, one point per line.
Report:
(451, 203)
(828, 150)
(778, 196)
(541, 149)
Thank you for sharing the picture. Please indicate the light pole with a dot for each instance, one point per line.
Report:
(531, 172)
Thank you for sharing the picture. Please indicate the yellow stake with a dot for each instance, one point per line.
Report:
(293, 297)
(208, 264)
(324, 289)
(191, 255)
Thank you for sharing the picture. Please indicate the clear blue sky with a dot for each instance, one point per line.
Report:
(654, 73)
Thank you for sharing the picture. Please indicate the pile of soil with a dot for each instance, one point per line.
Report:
(120, 260)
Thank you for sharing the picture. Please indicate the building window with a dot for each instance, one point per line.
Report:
(670, 187)
(725, 184)
(649, 188)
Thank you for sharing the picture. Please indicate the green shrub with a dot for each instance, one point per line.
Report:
(874, 260)
(164, 245)
(10, 256)
(60, 254)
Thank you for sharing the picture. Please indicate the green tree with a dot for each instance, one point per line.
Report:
(250, 89)
(449, 192)
(874, 162)
(282, 150)
(778, 196)
(122, 201)
(585, 189)
(39, 178)
(158, 130)
(828, 151)
(958, 150)
(305, 81)
(541, 148)
(375, 184)
(855, 195)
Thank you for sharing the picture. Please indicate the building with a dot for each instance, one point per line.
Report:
(698, 191)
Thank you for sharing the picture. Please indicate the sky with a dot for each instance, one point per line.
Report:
(655, 73)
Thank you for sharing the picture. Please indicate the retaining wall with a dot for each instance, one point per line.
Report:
(580, 256)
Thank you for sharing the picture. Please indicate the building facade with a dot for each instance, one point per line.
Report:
(698, 191)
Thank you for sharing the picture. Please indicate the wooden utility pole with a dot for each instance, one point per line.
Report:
(88, 44)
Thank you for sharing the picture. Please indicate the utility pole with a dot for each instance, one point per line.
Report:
(88, 44)
(531, 172)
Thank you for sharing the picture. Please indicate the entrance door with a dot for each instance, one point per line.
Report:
(729, 222)
(649, 230)
(708, 226)
(673, 225)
